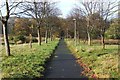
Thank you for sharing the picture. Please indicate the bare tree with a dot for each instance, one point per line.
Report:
(54, 23)
(39, 11)
(76, 16)
(106, 9)
(4, 19)
(33, 10)
(118, 18)
(89, 8)
(50, 10)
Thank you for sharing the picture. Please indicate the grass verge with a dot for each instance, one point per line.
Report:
(98, 63)
(26, 62)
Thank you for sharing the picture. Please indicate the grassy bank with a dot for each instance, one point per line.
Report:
(97, 62)
(25, 62)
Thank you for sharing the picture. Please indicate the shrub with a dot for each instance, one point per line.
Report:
(19, 38)
(34, 40)
(28, 40)
(11, 38)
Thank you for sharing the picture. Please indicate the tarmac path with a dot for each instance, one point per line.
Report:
(63, 64)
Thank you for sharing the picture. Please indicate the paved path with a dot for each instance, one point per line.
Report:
(63, 64)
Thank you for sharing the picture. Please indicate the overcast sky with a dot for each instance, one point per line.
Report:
(64, 5)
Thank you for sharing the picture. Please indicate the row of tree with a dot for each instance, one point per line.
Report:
(38, 14)
(27, 27)
(88, 20)
(92, 19)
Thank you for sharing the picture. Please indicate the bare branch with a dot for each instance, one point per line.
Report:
(15, 5)
(8, 11)
(2, 5)
(0, 15)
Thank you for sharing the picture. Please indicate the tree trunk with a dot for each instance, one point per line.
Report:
(46, 36)
(51, 34)
(30, 35)
(5, 32)
(89, 39)
(39, 37)
(103, 41)
(78, 37)
(67, 34)
(75, 34)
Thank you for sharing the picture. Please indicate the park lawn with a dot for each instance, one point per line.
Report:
(98, 63)
(25, 62)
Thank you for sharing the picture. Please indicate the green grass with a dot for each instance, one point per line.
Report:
(103, 63)
(25, 62)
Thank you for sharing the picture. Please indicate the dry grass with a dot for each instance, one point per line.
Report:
(98, 63)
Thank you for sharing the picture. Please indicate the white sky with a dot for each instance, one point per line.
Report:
(64, 5)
